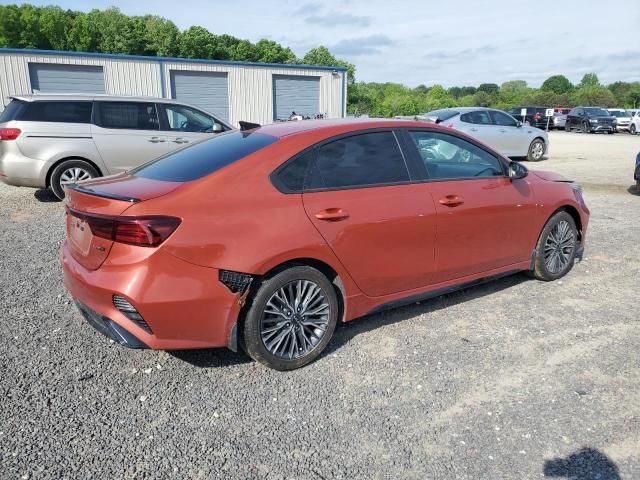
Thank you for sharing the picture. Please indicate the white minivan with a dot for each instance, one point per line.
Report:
(48, 141)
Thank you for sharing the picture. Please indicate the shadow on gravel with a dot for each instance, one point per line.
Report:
(346, 331)
(585, 464)
(633, 190)
(45, 195)
(211, 358)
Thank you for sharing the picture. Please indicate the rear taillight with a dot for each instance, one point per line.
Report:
(9, 133)
(144, 231)
(537, 116)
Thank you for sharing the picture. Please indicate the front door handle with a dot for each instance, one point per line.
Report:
(451, 201)
(473, 129)
(180, 140)
(502, 130)
(156, 140)
(332, 215)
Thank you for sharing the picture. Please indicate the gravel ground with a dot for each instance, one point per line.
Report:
(514, 379)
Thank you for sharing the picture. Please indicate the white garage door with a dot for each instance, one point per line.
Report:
(295, 94)
(207, 90)
(54, 78)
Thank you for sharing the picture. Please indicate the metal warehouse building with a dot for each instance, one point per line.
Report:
(232, 91)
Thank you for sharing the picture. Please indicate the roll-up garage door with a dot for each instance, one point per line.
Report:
(295, 94)
(207, 90)
(56, 78)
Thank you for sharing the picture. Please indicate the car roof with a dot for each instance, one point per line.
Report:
(35, 97)
(339, 125)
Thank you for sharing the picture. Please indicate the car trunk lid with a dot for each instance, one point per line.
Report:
(92, 205)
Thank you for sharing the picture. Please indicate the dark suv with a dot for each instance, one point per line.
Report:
(590, 120)
(535, 116)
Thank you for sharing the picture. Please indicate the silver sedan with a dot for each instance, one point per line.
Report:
(496, 129)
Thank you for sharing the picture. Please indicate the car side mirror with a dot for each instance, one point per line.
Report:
(518, 124)
(517, 170)
(217, 128)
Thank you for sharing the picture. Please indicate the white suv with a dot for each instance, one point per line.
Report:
(55, 140)
(623, 118)
(634, 125)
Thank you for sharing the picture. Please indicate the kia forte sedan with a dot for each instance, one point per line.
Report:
(265, 239)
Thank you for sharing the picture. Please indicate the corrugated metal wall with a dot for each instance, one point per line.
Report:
(250, 87)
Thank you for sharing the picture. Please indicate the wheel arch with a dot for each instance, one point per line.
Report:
(573, 211)
(73, 157)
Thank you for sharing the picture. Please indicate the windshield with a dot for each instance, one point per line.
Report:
(601, 112)
(204, 158)
(618, 113)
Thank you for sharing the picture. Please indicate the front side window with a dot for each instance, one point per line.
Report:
(128, 115)
(361, 160)
(449, 157)
(184, 119)
(502, 119)
(60, 112)
(479, 117)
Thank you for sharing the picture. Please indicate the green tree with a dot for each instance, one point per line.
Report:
(10, 26)
(54, 23)
(633, 96)
(322, 56)
(83, 33)
(464, 91)
(490, 88)
(198, 42)
(272, 52)
(557, 84)
(160, 37)
(455, 92)
(593, 95)
(589, 80)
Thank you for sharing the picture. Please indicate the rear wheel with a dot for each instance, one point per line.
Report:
(632, 129)
(556, 248)
(586, 128)
(567, 127)
(291, 318)
(70, 172)
(536, 150)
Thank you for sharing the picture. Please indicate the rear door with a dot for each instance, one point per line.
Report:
(483, 217)
(381, 226)
(478, 124)
(127, 134)
(184, 125)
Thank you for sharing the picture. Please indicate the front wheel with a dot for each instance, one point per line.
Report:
(556, 248)
(291, 318)
(70, 172)
(536, 150)
(632, 129)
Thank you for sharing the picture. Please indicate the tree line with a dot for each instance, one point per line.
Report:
(389, 99)
(110, 31)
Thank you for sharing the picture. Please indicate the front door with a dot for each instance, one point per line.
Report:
(185, 125)
(483, 217)
(127, 134)
(380, 226)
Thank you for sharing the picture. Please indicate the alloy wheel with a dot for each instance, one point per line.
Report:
(537, 150)
(74, 175)
(295, 319)
(559, 247)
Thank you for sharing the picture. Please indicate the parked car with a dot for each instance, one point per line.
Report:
(536, 116)
(636, 174)
(590, 120)
(623, 118)
(496, 128)
(559, 120)
(55, 140)
(275, 234)
(634, 124)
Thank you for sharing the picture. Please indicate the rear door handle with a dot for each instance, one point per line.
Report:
(332, 215)
(156, 140)
(473, 129)
(451, 201)
(180, 140)
(502, 130)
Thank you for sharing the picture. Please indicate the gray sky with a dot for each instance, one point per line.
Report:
(455, 42)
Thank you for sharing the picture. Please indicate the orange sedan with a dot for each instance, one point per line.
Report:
(267, 238)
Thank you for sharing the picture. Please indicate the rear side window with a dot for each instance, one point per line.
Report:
(59, 112)
(360, 160)
(502, 119)
(204, 158)
(11, 111)
(127, 115)
(442, 115)
(291, 177)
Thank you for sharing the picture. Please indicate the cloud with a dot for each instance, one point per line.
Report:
(334, 19)
(307, 9)
(460, 55)
(361, 46)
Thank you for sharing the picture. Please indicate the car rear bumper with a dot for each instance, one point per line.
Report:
(21, 171)
(184, 305)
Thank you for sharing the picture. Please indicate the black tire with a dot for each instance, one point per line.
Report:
(586, 128)
(611, 132)
(567, 127)
(542, 270)
(65, 168)
(536, 150)
(632, 129)
(290, 328)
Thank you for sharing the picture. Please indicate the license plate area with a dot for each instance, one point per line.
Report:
(80, 235)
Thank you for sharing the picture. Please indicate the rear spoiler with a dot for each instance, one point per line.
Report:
(244, 126)
(113, 196)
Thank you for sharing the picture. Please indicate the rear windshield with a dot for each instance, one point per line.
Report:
(58, 111)
(204, 158)
(441, 115)
(10, 112)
